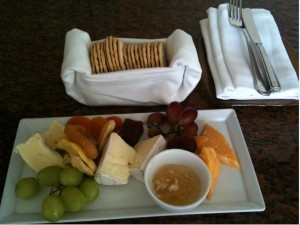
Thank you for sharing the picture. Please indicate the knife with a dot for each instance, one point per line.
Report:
(251, 28)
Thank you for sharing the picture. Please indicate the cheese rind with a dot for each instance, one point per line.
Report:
(145, 151)
(113, 166)
(37, 154)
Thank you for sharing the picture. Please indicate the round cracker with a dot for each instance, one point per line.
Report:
(132, 56)
(136, 55)
(107, 55)
(112, 55)
(156, 54)
(99, 57)
(161, 54)
(102, 55)
(126, 63)
(92, 52)
(140, 55)
(144, 53)
(115, 53)
(121, 54)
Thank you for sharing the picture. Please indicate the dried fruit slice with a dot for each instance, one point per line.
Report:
(79, 135)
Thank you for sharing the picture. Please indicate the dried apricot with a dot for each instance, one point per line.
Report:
(81, 120)
(96, 126)
(79, 135)
(118, 121)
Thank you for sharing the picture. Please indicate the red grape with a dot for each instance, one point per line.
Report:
(187, 116)
(191, 129)
(173, 142)
(153, 131)
(156, 118)
(173, 111)
(188, 143)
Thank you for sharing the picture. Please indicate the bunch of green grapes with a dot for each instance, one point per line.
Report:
(177, 125)
(70, 190)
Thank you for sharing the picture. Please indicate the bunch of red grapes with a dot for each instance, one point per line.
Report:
(177, 125)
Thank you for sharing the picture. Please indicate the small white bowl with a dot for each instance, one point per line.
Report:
(183, 157)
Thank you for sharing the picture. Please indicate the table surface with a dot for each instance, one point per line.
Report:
(31, 52)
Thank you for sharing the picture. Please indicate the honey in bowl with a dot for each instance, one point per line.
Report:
(176, 184)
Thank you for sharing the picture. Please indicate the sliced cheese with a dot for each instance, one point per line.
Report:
(209, 156)
(54, 133)
(37, 154)
(211, 137)
(145, 150)
(113, 166)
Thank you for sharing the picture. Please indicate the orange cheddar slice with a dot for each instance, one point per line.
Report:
(209, 156)
(212, 138)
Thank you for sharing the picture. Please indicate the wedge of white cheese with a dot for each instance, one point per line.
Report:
(145, 150)
(54, 134)
(37, 154)
(113, 166)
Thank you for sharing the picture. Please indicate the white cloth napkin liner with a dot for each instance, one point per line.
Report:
(149, 86)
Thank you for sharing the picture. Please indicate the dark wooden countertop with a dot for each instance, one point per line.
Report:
(31, 52)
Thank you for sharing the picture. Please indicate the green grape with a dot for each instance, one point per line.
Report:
(27, 188)
(73, 199)
(53, 208)
(90, 189)
(49, 176)
(70, 176)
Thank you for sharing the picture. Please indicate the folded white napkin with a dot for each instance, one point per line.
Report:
(229, 61)
(150, 86)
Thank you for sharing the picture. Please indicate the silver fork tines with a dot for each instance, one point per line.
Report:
(235, 19)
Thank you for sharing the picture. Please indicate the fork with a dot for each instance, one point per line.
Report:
(235, 19)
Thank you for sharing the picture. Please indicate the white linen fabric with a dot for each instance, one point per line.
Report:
(150, 86)
(229, 60)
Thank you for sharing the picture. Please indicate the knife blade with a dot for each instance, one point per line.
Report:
(254, 35)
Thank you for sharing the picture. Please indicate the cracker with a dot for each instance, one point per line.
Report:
(152, 57)
(132, 56)
(121, 54)
(144, 55)
(140, 55)
(96, 62)
(97, 44)
(148, 46)
(161, 54)
(92, 52)
(115, 53)
(125, 54)
(112, 57)
(107, 55)
(156, 54)
(105, 69)
(136, 56)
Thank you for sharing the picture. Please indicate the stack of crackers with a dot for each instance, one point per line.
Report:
(113, 55)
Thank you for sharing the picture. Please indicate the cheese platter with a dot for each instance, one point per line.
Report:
(132, 200)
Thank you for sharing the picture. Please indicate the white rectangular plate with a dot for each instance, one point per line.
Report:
(237, 190)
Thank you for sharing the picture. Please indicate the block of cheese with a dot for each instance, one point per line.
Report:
(113, 167)
(54, 133)
(211, 137)
(37, 154)
(145, 150)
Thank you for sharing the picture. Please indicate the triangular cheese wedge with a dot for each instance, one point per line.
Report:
(212, 138)
(209, 156)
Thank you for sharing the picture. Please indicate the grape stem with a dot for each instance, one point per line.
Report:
(56, 190)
